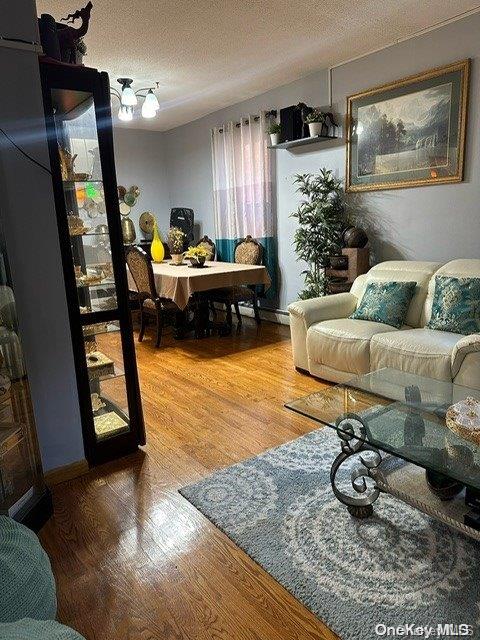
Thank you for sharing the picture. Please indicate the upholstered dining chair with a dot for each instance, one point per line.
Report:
(209, 245)
(247, 251)
(151, 304)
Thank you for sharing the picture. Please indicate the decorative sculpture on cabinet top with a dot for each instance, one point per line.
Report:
(61, 41)
(70, 39)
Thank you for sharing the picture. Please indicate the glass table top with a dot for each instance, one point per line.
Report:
(401, 414)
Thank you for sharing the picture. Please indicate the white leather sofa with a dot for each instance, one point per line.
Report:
(329, 345)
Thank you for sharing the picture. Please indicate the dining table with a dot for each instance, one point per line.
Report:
(181, 282)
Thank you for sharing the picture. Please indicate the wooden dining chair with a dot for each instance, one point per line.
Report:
(151, 304)
(247, 251)
(209, 245)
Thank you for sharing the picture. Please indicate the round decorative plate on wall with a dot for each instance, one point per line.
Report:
(124, 208)
(146, 222)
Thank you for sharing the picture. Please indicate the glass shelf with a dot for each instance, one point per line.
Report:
(92, 330)
(97, 285)
(116, 373)
(74, 182)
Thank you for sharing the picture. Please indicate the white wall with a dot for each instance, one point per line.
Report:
(439, 222)
(433, 223)
(189, 169)
(140, 160)
(28, 215)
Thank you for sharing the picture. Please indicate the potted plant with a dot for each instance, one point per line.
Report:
(315, 120)
(321, 219)
(275, 130)
(175, 241)
(197, 256)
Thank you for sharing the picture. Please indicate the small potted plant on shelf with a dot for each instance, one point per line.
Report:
(175, 240)
(197, 256)
(274, 130)
(315, 120)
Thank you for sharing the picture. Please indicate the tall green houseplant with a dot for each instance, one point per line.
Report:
(321, 220)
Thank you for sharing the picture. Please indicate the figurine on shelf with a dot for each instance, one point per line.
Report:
(97, 402)
(67, 160)
(330, 127)
(76, 226)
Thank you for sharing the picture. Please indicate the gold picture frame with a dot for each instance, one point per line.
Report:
(409, 159)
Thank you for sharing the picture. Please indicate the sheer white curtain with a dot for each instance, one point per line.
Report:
(242, 188)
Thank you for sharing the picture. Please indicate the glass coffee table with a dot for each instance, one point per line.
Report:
(393, 424)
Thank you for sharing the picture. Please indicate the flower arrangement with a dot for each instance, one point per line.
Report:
(315, 116)
(197, 255)
(175, 240)
(197, 252)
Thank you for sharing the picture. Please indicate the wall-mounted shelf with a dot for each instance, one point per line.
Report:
(301, 142)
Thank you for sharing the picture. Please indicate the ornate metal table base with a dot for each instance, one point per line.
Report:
(360, 506)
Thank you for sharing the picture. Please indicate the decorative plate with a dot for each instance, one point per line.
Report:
(135, 190)
(146, 222)
(130, 199)
(124, 208)
(121, 192)
(463, 418)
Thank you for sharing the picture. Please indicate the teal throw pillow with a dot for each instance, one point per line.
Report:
(28, 629)
(385, 302)
(456, 305)
(27, 586)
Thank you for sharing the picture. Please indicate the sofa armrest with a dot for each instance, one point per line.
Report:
(339, 305)
(304, 313)
(465, 346)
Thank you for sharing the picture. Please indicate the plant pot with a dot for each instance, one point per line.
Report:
(177, 258)
(315, 129)
(275, 138)
(198, 263)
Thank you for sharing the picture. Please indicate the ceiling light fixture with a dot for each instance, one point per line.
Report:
(125, 114)
(129, 99)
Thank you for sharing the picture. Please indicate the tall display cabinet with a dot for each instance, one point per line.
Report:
(80, 139)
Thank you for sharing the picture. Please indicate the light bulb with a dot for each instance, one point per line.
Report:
(125, 114)
(151, 101)
(129, 99)
(147, 111)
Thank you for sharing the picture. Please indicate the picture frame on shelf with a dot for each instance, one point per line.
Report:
(410, 132)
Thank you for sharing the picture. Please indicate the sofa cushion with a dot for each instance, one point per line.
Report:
(461, 268)
(385, 302)
(343, 344)
(401, 271)
(424, 352)
(456, 305)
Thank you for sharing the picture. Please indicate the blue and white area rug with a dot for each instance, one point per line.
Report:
(398, 567)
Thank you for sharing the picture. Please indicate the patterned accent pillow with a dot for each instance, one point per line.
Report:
(456, 305)
(385, 302)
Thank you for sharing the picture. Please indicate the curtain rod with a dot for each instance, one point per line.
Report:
(269, 114)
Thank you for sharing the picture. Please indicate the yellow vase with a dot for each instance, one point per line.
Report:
(157, 249)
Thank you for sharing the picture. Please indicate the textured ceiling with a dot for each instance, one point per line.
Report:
(207, 54)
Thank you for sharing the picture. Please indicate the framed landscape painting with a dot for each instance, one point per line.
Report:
(408, 133)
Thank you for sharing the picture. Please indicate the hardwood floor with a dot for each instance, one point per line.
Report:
(132, 558)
